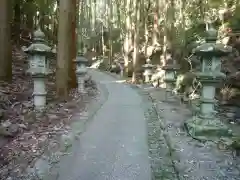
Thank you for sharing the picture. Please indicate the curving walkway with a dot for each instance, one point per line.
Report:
(114, 145)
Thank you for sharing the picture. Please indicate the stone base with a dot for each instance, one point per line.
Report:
(169, 96)
(207, 129)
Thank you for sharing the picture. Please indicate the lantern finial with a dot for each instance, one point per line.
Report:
(38, 35)
(211, 34)
(148, 61)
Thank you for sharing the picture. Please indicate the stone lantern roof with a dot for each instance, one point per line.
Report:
(171, 67)
(38, 35)
(38, 46)
(210, 48)
(148, 65)
(80, 60)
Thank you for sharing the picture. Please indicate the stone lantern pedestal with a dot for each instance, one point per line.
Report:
(38, 52)
(148, 71)
(206, 125)
(170, 78)
(39, 91)
(121, 64)
(81, 71)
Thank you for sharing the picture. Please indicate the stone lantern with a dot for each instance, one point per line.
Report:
(206, 123)
(170, 77)
(148, 70)
(81, 71)
(99, 58)
(39, 67)
(121, 64)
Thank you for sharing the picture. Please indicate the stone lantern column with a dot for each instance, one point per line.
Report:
(170, 78)
(81, 71)
(206, 125)
(121, 66)
(39, 67)
(148, 71)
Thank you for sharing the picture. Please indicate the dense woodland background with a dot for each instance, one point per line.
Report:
(131, 29)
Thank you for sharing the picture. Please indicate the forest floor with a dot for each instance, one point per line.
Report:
(193, 160)
(24, 134)
(186, 157)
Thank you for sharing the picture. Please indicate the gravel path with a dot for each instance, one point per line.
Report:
(193, 160)
(114, 145)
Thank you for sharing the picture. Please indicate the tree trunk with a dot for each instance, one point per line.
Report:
(64, 31)
(80, 29)
(94, 15)
(77, 24)
(136, 41)
(155, 25)
(128, 36)
(119, 23)
(146, 31)
(110, 14)
(5, 41)
(17, 21)
(179, 56)
(30, 15)
(73, 45)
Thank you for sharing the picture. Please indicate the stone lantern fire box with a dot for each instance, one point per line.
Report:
(38, 52)
(81, 71)
(170, 77)
(148, 70)
(206, 125)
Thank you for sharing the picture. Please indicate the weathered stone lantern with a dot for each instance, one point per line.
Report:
(39, 67)
(81, 71)
(121, 64)
(206, 125)
(99, 58)
(170, 77)
(148, 70)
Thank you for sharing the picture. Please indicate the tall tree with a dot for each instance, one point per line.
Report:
(17, 20)
(30, 12)
(5, 40)
(128, 35)
(136, 39)
(110, 19)
(80, 28)
(64, 31)
(73, 47)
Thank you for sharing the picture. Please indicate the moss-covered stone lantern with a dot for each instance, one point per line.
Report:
(81, 71)
(38, 52)
(121, 65)
(206, 125)
(170, 70)
(148, 71)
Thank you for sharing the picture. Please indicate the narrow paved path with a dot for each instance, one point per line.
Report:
(114, 146)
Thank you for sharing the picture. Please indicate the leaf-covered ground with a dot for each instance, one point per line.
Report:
(24, 135)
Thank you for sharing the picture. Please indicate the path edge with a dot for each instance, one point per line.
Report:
(48, 160)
